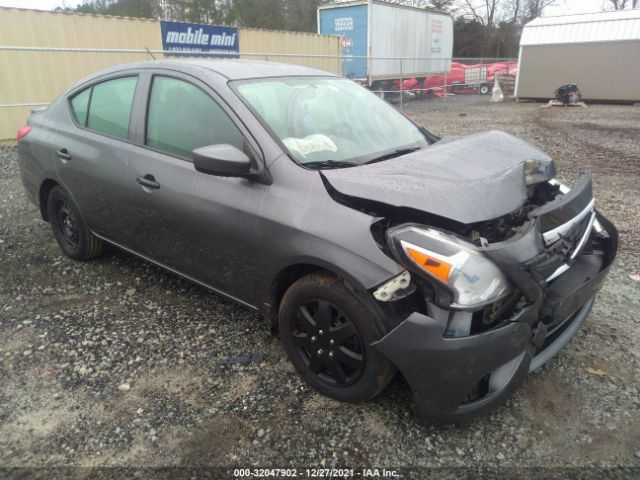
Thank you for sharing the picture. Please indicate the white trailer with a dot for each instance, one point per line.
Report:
(383, 41)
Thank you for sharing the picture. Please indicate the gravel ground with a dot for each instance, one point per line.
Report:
(116, 363)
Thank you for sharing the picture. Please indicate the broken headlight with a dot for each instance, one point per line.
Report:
(470, 276)
(536, 171)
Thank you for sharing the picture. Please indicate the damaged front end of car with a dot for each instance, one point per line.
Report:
(489, 302)
(502, 264)
(481, 305)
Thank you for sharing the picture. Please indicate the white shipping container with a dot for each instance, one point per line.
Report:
(375, 35)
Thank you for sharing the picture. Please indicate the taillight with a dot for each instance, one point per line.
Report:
(22, 132)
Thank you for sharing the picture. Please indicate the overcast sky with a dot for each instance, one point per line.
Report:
(569, 7)
(562, 7)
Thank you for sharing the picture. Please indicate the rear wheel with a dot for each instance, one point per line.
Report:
(74, 238)
(484, 89)
(327, 332)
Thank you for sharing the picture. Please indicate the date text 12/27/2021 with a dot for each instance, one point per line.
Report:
(315, 473)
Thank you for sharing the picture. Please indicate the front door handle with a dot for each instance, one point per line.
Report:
(148, 181)
(63, 154)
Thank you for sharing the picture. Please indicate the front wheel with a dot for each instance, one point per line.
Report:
(70, 231)
(327, 332)
(484, 89)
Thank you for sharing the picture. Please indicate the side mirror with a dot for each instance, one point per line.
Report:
(223, 160)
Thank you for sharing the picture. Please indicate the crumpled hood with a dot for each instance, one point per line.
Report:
(468, 179)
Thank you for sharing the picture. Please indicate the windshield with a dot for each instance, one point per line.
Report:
(331, 122)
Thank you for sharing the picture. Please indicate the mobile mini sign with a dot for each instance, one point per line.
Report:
(184, 37)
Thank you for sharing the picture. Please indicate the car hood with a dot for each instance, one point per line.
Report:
(467, 179)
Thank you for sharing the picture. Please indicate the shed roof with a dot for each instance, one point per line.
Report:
(584, 28)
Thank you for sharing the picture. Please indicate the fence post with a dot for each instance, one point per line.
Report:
(479, 85)
(444, 90)
(401, 87)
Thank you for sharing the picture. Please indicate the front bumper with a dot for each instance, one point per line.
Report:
(457, 378)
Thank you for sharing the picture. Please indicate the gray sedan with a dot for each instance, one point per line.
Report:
(372, 244)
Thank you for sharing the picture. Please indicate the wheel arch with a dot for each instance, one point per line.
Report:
(287, 276)
(43, 196)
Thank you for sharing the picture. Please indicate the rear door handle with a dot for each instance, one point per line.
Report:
(63, 154)
(148, 181)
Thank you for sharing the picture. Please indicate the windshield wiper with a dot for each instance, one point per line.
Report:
(432, 137)
(325, 164)
(395, 153)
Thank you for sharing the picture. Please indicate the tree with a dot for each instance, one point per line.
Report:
(441, 5)
(622, 4)
(296, 15)
(534, 8)
(123, 8)
(301, 15)
(484, 12)
(467, 38)
(523, 11)
(488, 28)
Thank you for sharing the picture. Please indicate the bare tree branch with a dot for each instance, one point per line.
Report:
(622, 4)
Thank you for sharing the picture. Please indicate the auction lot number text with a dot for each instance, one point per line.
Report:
(314, 473)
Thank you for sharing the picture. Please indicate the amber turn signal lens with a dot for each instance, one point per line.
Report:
(435, 267)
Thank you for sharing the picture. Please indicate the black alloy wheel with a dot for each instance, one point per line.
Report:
(329, 343)
(327, 331)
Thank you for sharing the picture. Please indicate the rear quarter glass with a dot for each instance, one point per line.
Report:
(80, 106)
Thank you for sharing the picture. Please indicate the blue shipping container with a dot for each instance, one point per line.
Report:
(350, 23)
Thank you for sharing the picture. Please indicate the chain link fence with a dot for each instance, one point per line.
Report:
(35, 76)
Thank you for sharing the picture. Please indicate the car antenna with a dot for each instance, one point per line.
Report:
(149, 52)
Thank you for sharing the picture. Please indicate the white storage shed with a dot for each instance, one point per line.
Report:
(600, 52)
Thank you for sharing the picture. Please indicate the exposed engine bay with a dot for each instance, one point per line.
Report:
(502, 228)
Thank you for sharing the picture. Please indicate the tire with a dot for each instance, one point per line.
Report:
(333, 356)
(484, 89)
(71, 233)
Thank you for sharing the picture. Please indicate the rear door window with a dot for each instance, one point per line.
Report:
(182, 117)
(110, 106)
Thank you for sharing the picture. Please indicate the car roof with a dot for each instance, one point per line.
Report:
(231, 69)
